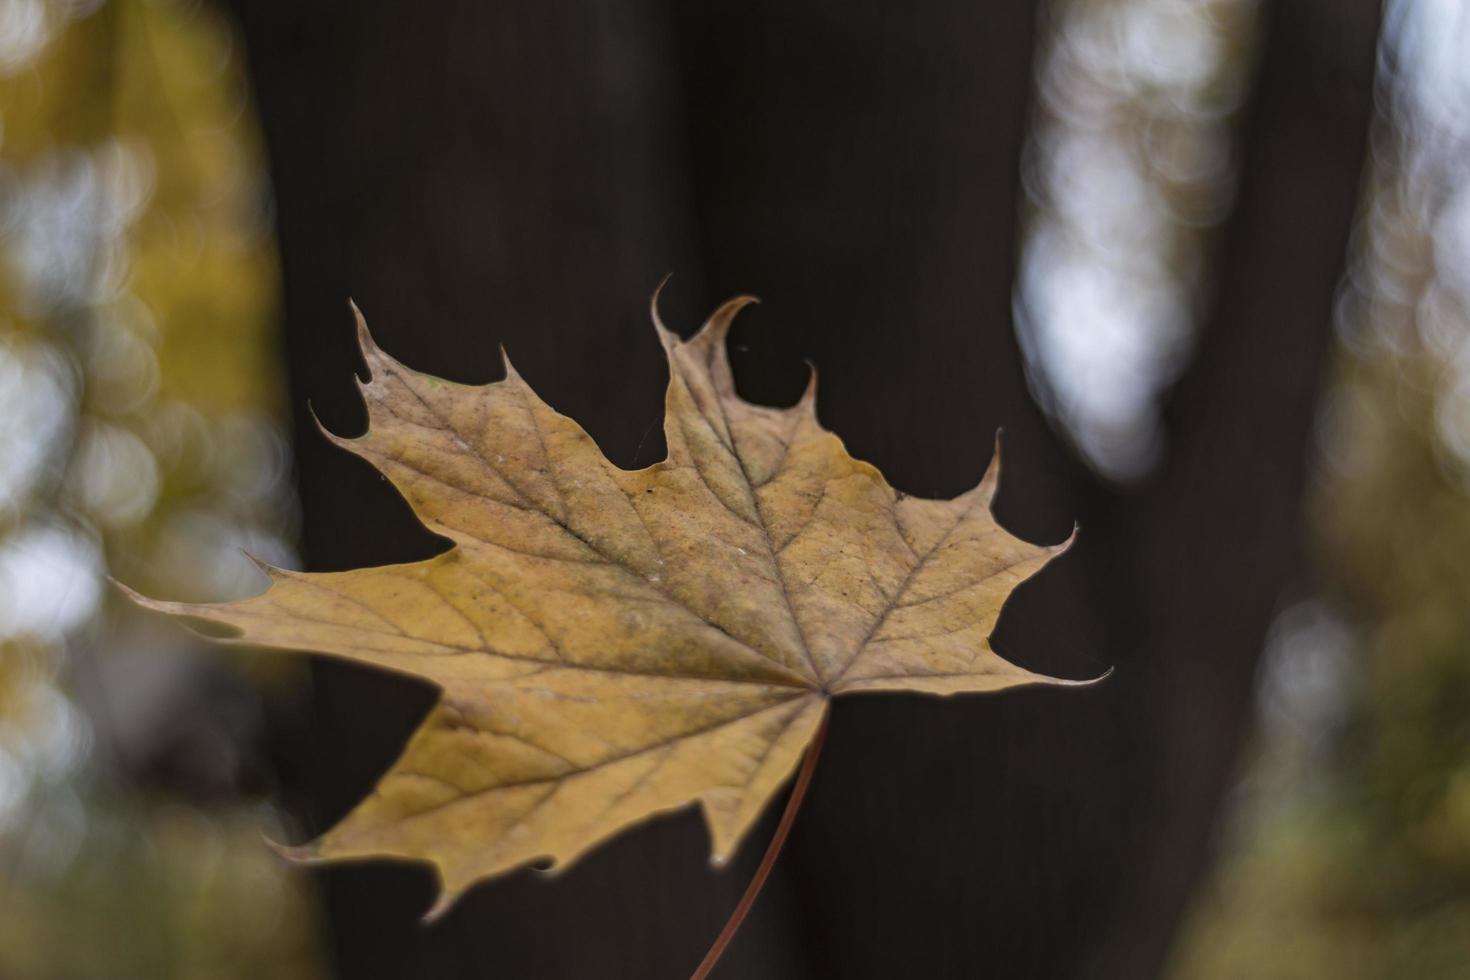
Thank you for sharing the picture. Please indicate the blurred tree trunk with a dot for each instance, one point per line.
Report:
(478, 174)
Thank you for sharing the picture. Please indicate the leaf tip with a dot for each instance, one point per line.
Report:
(142, 601)
(989, 484)
(321, 427)
(440, 908)
(1071, 539)
(808, 401)
(512, 375)
(360, 324)
(1090, 681)
(260, 563)
(371, 352)
(719, 321)
(664, 332)
(302, 854)
(127, 591)
(712, 333)
(1082, 682)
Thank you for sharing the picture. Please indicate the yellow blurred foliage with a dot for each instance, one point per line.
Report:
(138, 364)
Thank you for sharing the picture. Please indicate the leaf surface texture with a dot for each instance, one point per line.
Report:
(610, 643)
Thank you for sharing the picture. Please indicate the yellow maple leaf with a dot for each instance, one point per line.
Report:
(612, 643)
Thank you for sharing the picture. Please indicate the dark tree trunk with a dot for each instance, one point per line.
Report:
(484, 173)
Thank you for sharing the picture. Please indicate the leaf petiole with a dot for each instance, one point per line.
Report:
(788, 817)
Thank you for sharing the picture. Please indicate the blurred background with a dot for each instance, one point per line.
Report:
(1208, 262)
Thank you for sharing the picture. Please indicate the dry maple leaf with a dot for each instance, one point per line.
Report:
(611, 643)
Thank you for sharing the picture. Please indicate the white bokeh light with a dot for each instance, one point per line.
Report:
(1129, 164)
(50, 582)
(37, 391)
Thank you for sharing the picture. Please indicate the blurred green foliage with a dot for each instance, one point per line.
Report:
(1348, 852)
(162, 891)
